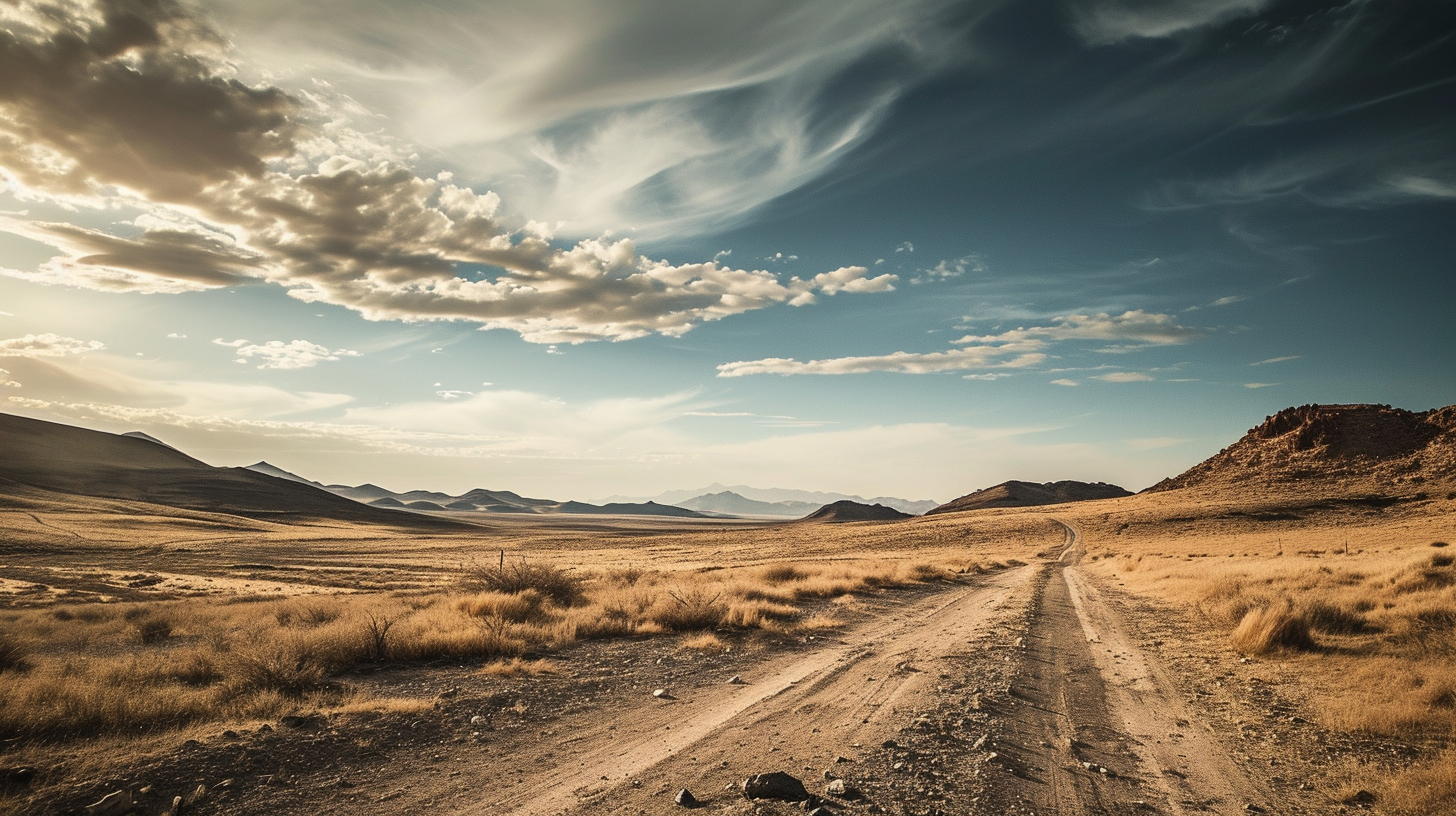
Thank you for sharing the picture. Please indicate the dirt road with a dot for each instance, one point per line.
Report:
(1023, 694)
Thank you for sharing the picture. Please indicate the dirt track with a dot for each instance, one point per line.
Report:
(1023, 694)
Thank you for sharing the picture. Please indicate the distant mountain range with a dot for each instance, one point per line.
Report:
(811, 499)
(478, 500)
(736, 505)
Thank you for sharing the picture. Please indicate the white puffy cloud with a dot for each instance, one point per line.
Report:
(231, 185)
(280, 355)
(6, 381)
(47, 345)
(1012, 349)
(1065, 382)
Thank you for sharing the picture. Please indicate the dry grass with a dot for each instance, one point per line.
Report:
(96, 669)
(516, 667)
(1358, 607)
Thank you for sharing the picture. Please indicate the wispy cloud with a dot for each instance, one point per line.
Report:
(1102, 22)
(1260, 385)
(1124, 377)
(1277, 360)
(1066, 383)
(230, 186)
(1014, 349)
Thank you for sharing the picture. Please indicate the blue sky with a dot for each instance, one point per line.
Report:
(577, 249)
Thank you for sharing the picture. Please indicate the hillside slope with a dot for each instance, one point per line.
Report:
(1377, 444)
(1031, 494)
(67, 459)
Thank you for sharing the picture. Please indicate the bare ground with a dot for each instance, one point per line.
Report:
(1033, 690)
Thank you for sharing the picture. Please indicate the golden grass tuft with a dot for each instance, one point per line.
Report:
(1272, 629)
(516, 667)
(705, 642)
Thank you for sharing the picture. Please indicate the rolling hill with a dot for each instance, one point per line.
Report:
(1031, 494)
(66, 459)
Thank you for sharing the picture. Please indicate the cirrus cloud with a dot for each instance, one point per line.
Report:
(234, 183)
(1013, 349)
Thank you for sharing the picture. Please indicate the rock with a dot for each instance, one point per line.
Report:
(661, 694)
(685, 799)
(889, 743)
(842, 789)
(176, 808)
(842, 759)
(477, 720)
(112, 804)
(821, 811)
(230, 735)
(735, 680)
(980, 743)
(775, 785)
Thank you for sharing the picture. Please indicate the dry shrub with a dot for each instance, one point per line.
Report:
(818, 622)
(282, 667)
(706, 642)
(1421, 790)
(516, 667)
(1272, 629)
(513, 577)
(14, 656)
(686, 610)
(308, 615)
(1434, 573)
(152, 630)
(626, 576)
(517, 608)
(1331, 618)
(782, 574)
(755, 614)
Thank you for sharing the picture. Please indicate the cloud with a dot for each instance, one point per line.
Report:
(1066, 382)
(1261, 385)
(1136, 325)
(292, 355)
(1104, 22)
(1123, 377)
(333, 216)
(955, 268)
(1272, 360)
(1016, 348)
(47, 345)
(670, 118)
(5, 380)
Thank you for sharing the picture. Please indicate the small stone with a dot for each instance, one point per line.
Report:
(889, 743)
(477, 720)
(839, 759)
(685, 799)
(980, 743)
(842, 789)
(898, 766)
(775, 785)
(660, 693)
(735, 680)
(112, 804)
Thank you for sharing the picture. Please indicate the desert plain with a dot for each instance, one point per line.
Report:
(1271, 632)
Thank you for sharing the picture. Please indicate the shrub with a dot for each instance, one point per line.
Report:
(1271, 629)
(518, 608)
(782, 574)
(513, 577)
(687, 611)
(1330, 618)
(152, 630)
(276, 667)
(13, 655)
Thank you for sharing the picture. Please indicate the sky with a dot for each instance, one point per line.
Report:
(576, 248)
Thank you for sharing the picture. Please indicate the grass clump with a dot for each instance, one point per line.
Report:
(14, 657)
(514, 577)
(1272, 629)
